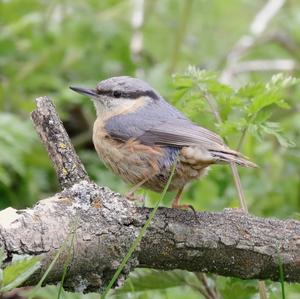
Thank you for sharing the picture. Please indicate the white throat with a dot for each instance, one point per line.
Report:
(109, 107)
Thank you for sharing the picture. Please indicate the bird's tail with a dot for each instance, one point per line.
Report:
(228, 155)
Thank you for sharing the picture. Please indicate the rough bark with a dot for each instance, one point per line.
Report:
(105, 224)
(228, 243)
(68, 167)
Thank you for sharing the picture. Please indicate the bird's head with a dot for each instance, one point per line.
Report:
(117, 94)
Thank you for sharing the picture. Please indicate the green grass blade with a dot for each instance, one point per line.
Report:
(140, 235)
(281, 273)
(49, 268)
(67, 263)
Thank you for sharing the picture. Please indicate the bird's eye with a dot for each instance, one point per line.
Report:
(117, 94)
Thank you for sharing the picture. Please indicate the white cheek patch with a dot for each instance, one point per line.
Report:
(113, 106)
(122, 103)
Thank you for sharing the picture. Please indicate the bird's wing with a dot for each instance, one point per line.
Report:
(166, 126)
(161, 124)
(181, 133)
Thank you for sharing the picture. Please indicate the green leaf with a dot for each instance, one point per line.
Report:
(253, 131)
(236, 288)
(16, 140)
(1, 278)
(18, 272)
(263, 116)
(201, 75)
(251, 90)
(275, 129)
(149, 279)
(230, 127)
(261, 130)
(193, 77)
(4, 177)
(262, 101)
(281, 81)
(182, 82)
(50, 292)
(259, 95)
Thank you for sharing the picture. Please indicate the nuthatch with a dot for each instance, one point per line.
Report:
(138, 135)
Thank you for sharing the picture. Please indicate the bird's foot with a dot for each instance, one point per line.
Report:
(130, 196)
(185, 206)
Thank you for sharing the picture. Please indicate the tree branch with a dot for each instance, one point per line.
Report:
(67, 164)
(229, 243)
(263, 65)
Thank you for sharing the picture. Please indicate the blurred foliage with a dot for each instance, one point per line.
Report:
(45, 46)
(50, 292)
(246, 121)
(20, 268)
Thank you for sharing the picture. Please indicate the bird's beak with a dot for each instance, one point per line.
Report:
(85, 91)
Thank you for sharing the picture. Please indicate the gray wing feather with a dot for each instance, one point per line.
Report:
(181, 133)
(159, 123)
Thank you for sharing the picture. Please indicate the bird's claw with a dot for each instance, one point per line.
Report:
(130, 196)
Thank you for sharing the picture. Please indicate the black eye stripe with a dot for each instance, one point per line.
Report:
(117, 93)
(129, 94)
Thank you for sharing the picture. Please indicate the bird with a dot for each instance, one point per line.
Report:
(139, 136)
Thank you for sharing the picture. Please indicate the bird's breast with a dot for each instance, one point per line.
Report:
(130, 159)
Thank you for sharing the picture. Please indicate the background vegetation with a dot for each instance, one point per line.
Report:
(45, 46)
